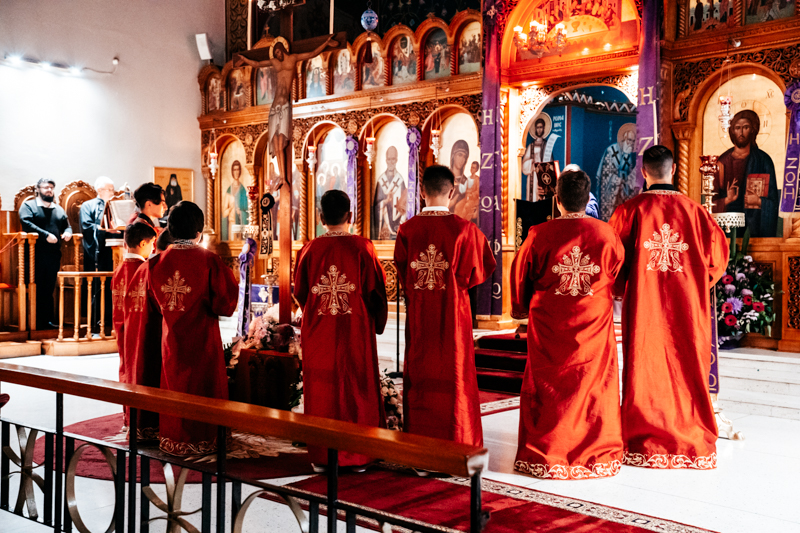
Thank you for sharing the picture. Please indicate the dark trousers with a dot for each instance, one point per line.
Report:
(104, 263)
(48, 263)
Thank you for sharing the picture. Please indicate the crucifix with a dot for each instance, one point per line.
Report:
(279, 126)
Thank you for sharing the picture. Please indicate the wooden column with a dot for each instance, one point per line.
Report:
(77, 306)
(61, 308)
(683, 132)
(102, 308)
(32, 279)
(21, 292)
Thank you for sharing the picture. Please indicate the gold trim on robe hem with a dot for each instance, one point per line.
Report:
(172, 447)
(667, 460)
(597, 470)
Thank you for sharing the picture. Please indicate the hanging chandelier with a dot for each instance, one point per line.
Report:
(537, 41)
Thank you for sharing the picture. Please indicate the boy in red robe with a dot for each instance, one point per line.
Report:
(674, 254)
(143, 338)
(191, 288)
(562, 280)
(439, 257)
(341, 286)
(139, 240)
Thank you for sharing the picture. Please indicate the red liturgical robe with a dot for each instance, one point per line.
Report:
(192, 288)
(439, 257)
(562, 279)
(674, 253)
(342, 287)
(119, 287)
(142, 338)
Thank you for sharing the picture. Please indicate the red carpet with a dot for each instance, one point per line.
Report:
(513, 509)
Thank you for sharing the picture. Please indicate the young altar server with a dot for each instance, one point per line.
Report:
(562, 280)
(139, 240)
(191, 288)
(674, 254)
(439, 257)
(341, 286)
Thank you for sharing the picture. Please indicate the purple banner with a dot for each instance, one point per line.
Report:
(351, 148)
(789, 193)
(713, 377)
(490, 294)
(246, 260)
(647, 116)
(413, 138)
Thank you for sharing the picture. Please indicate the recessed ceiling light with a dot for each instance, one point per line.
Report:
(45, 65)
(15, 59)
(75, 71)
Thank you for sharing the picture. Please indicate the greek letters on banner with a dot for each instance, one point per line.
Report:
(647, 123)
(351, 148)
(413, 138)
(490, 294)
(789, 193)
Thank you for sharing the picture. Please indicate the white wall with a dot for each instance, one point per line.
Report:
(121, 125)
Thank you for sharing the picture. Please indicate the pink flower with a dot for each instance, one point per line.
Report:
(727, 280)
(730, 320)
(747, 292)
(748, 300)
(727, 308)
(758, 307)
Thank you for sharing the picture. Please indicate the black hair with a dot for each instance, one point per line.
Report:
(335, 205)
(137, 232)
(148, 191)
(438, 180)
(185, 220)
(164, 240)
(572, 189)
(42, 181)
(657, 161)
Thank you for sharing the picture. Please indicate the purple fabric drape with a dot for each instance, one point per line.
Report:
(490, 294)
(713, 378)
(246, 260)
(413, 138)
(351, 148)
(789, 194)
(648, 104)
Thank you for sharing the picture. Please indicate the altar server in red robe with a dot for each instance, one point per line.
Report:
(439, 257)
(341, 286)
(139, 240)
(142, 338)
(562, 280)
(674, 254)
(191, 288)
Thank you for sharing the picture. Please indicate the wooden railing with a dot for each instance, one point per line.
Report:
(26, 292)
(411, 450)
(77, 279)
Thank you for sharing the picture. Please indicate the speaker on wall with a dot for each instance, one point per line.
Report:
(203, 47)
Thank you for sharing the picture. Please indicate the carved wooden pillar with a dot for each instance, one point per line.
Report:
(453, 59)
(683, 132)
(32, 279)
(738, 13)
(209, 200)
(302, 222)
(682, 20)
(21, 289)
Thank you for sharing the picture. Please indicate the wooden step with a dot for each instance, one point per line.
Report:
(500, 360)
(500, 381)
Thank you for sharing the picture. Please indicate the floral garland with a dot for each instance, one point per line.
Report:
(745, 298)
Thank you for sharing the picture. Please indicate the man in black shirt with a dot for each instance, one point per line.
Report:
(49, 221)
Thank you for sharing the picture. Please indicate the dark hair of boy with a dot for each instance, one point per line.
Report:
(335, 206)
(137, 232)
(185, 221)
(657, 162)
(572, 189)
(438, 180)
(163, 241)
(148, 191)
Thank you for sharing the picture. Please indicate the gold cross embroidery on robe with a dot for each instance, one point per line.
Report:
(175, 289)
(118, 295)
(137, 295)
(334, 290)
(665, 250)
(576, 273)
(430, 269)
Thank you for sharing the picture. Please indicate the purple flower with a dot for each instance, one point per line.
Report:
(736, 303)
(747, 292)
(740, 277)
(730, 289)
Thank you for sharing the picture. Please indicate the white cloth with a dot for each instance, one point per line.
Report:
(435, 208)
(129, 255)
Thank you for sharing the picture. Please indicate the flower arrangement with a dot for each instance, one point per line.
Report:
(264, 333)
(392, 400)
(745, 298)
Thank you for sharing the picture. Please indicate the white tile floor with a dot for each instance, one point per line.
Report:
(754, 488)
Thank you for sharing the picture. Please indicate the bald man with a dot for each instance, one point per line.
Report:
(389, 205)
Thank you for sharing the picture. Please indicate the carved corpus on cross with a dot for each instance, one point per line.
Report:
(279, 126)
(576, 274)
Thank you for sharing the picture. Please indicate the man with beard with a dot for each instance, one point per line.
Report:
(615, 173)
(173, 192)
(540, 150)
(389, 195)
(49, 221)
(736, 167)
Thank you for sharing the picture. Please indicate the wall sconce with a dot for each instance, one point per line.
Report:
(725, 116)
(312, 159)
(369, 151)
(436, 143)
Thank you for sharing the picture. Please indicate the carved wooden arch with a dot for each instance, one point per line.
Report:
(361, 40)
(359, 45)
(205, 74)
(223, 142)
(26, 193)
(428, 25)
(445, 111)
(460, 21)
(333, 59)
(395, 32)
(516, 13)
(319, 131)
(534, 99)
(325, 70)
